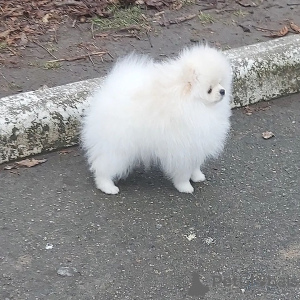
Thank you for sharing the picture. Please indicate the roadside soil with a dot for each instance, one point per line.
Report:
(226, 25)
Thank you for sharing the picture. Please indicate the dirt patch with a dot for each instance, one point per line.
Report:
(80, 50)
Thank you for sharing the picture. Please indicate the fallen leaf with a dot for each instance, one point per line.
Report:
(10, 167)
(30, 162)
(15, 172)
(23, 39)
(154, 3)
(102, 35)
(267, 135)
(191, 236)
(295, 27)
(66, 151)
(262, 29)
(82, 19)
(245, 28)
(46, 18)
(209, 241)
(282, 32)
(292, 253)
(246, 3)
(5, 33)
(248, 111)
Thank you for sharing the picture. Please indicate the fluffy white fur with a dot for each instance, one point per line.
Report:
(174, 114)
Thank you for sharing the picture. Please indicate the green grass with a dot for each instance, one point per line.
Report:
(206, 18)
(187, 2)
(121, 18)
(51, 48)
(51, 65)
(240, 13)
(3, 46)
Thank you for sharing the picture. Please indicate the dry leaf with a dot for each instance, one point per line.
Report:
(23, 39)
(5, 33)
(66, 151)
(295, 27)
(154, 3)
(10, 167)
(267, 135)
(245, 28)
(30, 162)
(292, 253)
(248, 111)
(282, 32)
(246, 3)
(46, 18)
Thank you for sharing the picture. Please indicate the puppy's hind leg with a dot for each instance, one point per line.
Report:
(197, 176)
(106, 169)
(106, 185)
(182, 184)
(178, 173)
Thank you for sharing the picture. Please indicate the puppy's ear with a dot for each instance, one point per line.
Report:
(189, 79)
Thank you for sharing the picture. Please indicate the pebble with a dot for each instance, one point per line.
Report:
(67, 271)
(158, 226)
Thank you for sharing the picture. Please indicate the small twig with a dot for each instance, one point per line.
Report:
(263, 29)
(77, 57)
(92, 29)
(130, 35)
(95, 45)
(159, 13)
(105, 35)
(206, 7)
(183, 19)
(4, 78)
(12, 51)
(69, 2)
(245, 28)
(180, 19)
(144, 17)
(149, 39)
(218, 11)
(44, 49)
(245, 4)
(165, 22)
(291, 4)
(90, 58)
(110, 55)
(102, 35)
(123, 35)
(209, 6)
(131, 27)
(55, 36)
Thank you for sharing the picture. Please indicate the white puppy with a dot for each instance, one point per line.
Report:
(174, 114)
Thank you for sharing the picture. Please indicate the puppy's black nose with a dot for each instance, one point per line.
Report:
(222, 92)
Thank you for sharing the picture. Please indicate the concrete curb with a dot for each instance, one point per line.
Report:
(43, 120)
(266, 70)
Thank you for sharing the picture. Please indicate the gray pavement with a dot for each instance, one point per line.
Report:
(239, 233)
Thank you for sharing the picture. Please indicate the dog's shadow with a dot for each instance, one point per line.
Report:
(149, 180)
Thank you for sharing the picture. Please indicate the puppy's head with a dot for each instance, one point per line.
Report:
(206, 74)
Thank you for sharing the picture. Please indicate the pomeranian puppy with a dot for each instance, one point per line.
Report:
(174, 114)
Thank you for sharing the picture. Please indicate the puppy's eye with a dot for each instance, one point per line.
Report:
(210, 90)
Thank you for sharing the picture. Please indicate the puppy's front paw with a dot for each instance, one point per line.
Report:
(107, 186)
(197, 176)
(184, 187)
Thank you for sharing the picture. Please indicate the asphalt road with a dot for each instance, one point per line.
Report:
(239, 233)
